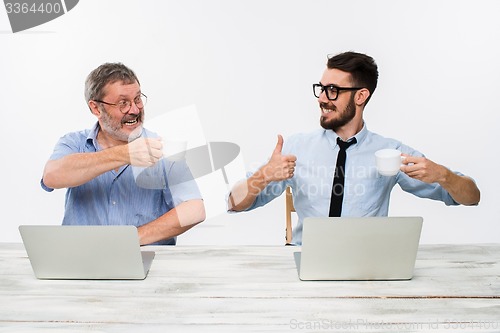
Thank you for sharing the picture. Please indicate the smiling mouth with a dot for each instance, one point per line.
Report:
(131, 122)
(326, 110)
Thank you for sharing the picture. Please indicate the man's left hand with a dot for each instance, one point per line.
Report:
(423, 169)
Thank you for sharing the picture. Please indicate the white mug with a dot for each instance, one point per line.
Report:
(388, 161)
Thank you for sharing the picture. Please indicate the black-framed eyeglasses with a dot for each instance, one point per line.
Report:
(331, 90)
(125, 105)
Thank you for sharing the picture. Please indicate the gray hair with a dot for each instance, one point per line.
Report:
(104, 74)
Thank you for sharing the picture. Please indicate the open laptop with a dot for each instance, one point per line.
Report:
(365, 248)
(85, 252)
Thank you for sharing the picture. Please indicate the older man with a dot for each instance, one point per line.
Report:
(114, 172)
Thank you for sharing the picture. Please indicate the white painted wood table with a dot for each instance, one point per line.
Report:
(257, 289)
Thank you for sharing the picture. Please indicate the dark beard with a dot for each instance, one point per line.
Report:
(345, 117)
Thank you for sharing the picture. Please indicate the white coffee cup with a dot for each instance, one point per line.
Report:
(388, 161)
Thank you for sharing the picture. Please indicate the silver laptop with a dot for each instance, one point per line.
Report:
(85, 252)
(366, 248)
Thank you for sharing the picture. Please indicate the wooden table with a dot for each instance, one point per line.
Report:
(234, 289)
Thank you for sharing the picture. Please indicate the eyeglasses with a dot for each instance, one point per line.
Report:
(125, 105)
(332, 91)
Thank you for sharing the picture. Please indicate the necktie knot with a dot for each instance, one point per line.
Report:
(345, 144)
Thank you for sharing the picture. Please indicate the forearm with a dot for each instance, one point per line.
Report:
(77, 169)
(462, 188)
(173, 223)
(244, 193)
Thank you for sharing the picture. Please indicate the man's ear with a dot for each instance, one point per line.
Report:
(361, 96)
(94, 108)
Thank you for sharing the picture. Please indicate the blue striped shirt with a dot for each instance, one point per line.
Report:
(129, 196)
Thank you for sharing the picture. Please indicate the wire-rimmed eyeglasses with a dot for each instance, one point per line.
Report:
(125, 104)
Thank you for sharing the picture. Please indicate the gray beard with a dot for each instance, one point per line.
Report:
(113, 129)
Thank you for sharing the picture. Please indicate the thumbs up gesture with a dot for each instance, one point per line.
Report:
(279, 167)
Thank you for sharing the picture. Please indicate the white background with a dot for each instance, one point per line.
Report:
(248, 67)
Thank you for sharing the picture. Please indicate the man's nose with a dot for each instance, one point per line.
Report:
(134, 109)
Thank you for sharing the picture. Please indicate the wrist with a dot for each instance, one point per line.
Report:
(446, 176)
(265, 175)
(122, 154)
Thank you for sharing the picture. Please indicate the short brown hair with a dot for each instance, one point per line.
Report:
(104, 74)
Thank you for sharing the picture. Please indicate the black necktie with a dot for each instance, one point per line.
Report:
(338, 178)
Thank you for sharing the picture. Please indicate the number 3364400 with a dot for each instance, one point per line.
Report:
(25, 8)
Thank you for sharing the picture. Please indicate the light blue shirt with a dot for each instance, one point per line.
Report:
(366, 192)
(129, 196)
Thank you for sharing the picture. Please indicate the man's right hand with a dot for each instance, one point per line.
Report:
(279, 167)
(145, 152)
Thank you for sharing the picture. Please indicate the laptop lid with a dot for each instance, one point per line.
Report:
(366, 248)
(85, 252)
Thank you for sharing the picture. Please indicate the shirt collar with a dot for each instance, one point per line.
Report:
(360, 136)
(92, 136)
